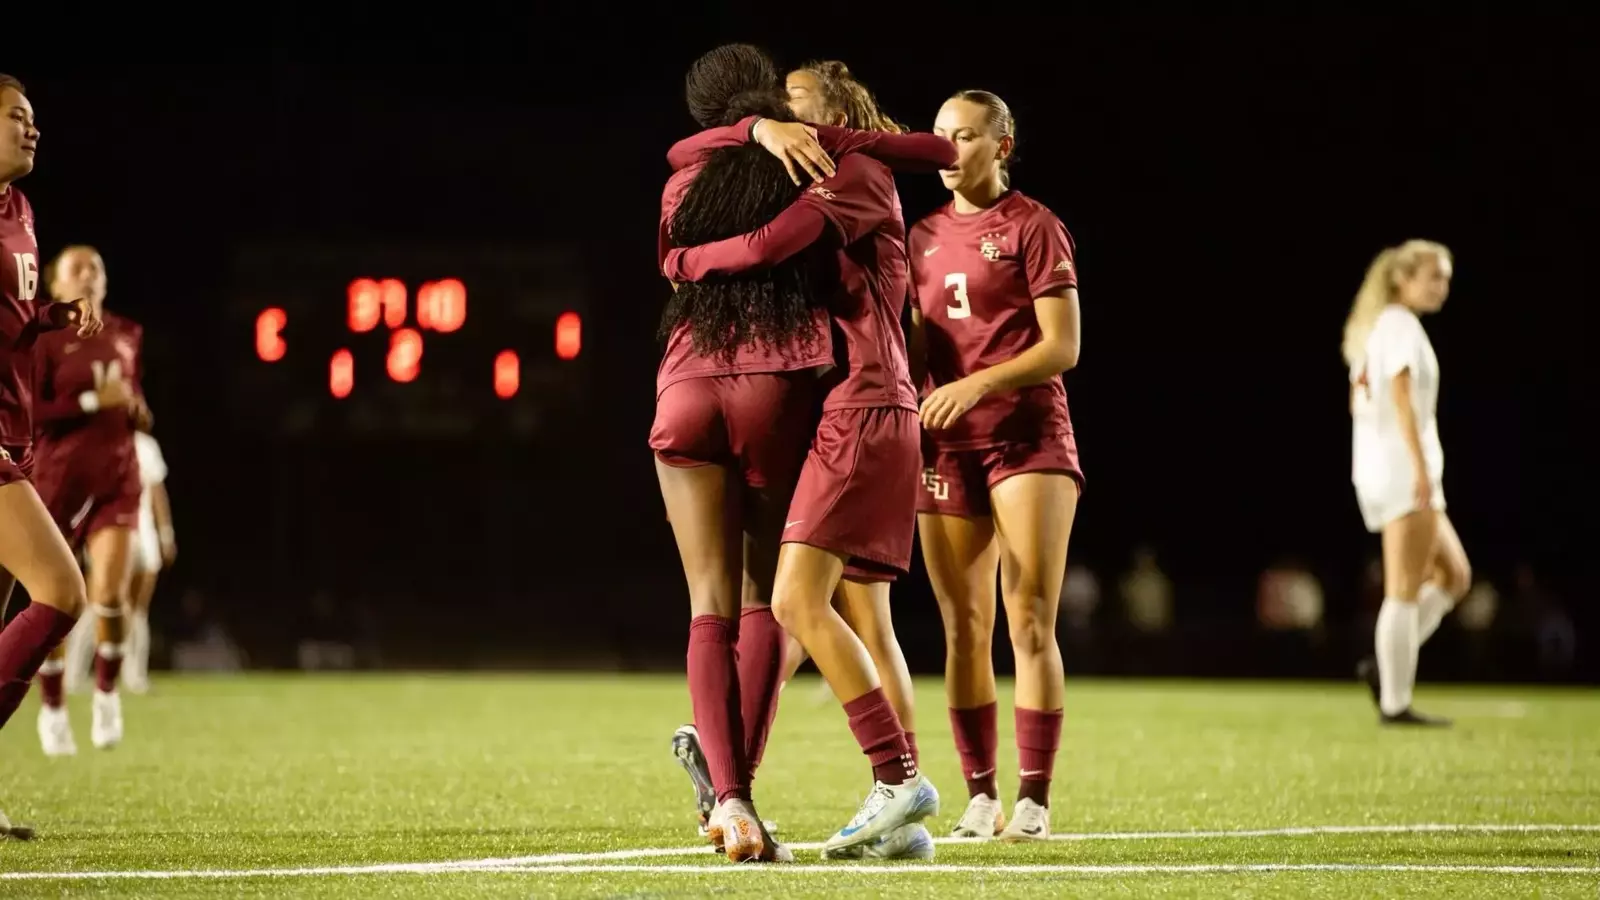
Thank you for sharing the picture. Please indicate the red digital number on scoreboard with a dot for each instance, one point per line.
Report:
(441, 306)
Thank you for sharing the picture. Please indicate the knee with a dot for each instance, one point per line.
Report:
(63, 590)
(793, 611)
(967, 632)
(1033, 631)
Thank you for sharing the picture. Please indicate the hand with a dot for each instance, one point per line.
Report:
(114, 393)
(1422, 495)
(75, 312)
(950, 402)
(169, 549)
(139, 414)
(795, 142)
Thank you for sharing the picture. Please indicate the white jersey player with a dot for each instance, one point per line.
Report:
(154, 548)
(1397, 464)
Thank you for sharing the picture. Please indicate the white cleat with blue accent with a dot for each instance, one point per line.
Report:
(906, 842)
(888, 807)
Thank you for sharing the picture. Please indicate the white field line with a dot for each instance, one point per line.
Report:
(1306, 831)
(1032, 869)
(579, 863)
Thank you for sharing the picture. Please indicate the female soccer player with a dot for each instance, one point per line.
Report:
(824, 94)
(996, 324)
(853, 508)
(88, 406)
(726, 72)
(734, 395)
(32, 549)
(155, 548)
(1398, 464)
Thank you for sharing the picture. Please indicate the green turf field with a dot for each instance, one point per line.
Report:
(538, 785)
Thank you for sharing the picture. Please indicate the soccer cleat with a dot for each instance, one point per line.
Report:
(906, 842)
(1029, 822)
(20, 832)
(106, 731)
(686, 748)
(742, 837)
(983, 819)
(888, 807)
(1367, 673)
(55, 732)
(1411, 717)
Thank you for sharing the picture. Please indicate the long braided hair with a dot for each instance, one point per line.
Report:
(739, 190)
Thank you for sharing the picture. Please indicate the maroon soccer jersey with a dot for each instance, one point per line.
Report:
(863, 209)
(681, 361)
(71, 433)
(909, 151)
(21, 318)
(975, 278)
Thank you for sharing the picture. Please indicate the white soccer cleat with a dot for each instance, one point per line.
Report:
(906, 842)
(983, 819)
(1029, 822)
(55, 732)
(888, 807)
(106, 732)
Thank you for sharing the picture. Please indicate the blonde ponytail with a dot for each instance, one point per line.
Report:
(1378, 289)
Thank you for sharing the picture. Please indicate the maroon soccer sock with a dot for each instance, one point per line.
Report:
(761, 651)
(714, 695)
(978, 743)
(877, 730)
(107, 666)
(1038, 739)
(52, 692)
(23, 646)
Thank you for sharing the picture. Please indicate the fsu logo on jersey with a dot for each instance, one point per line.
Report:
(989, 245)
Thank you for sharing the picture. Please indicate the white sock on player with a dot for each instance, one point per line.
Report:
(1396, 648)
(1433, 604)
(136, 659)
(80, 652)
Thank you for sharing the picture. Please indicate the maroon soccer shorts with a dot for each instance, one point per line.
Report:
(758, 424)
(857, 494)
(16, 464)
(957, 482)
(82, 507)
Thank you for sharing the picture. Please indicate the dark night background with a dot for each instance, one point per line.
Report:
(1226, 180)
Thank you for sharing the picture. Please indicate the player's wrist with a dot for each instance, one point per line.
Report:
(755, 130)
(89, 402)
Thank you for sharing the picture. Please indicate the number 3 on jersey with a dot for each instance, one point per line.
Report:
(962, 307)
(27, 276)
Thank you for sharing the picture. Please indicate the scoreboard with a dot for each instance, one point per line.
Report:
(406, 341)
